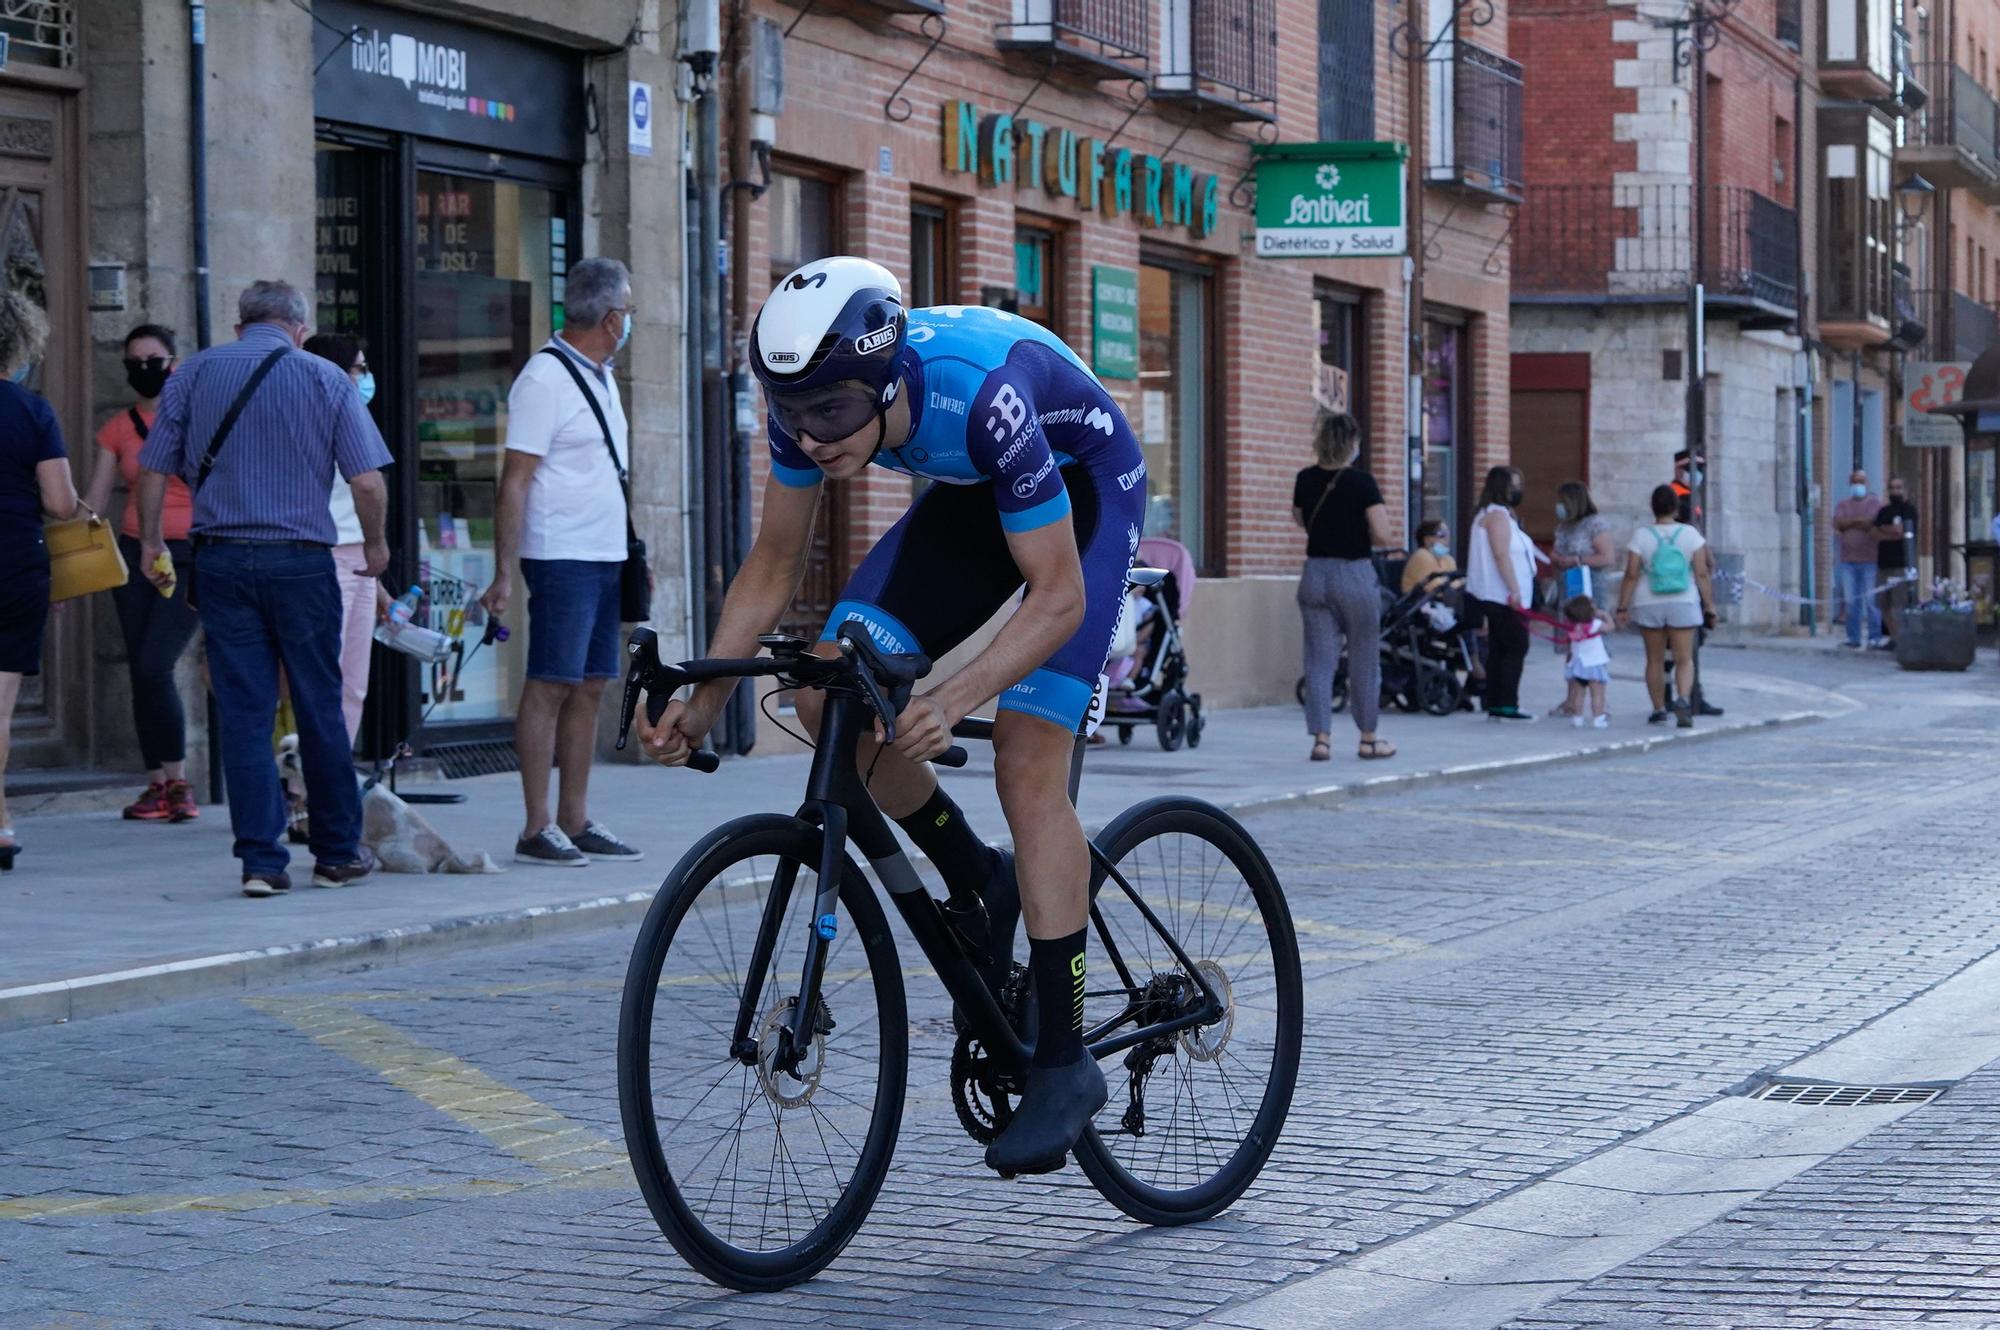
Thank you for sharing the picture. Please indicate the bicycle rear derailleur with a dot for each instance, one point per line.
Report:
(983, 1095)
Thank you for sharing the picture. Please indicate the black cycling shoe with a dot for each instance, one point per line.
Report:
(1057, 1105)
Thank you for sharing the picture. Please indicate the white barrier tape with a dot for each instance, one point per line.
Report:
(1789, 598)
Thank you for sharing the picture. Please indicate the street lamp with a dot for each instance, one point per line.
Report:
(1913, 199)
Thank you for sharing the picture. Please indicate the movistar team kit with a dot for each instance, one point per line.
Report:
(1019, 434)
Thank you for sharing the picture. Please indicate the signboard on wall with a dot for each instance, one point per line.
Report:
(1114, 322)
(1928, 385)
(1331, 200)
(398, 70)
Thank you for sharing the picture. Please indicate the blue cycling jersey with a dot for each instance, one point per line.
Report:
(995, 400)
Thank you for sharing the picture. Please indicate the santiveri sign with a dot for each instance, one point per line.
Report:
(1331, 200)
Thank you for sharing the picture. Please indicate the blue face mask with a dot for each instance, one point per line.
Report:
(1442, 550)
(624, 332)
(21, 375)
(366, 386)
(1858, 491)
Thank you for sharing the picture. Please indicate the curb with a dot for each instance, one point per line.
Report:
(242, 971)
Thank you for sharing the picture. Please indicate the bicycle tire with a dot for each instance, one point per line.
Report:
(715, 1256)
(1143, 1201)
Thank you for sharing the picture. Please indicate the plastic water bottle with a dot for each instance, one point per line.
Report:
(406, 605)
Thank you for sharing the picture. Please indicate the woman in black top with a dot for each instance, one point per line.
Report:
(35, 483)
(1340, 596)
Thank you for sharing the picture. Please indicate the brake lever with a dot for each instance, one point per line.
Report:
(643, 649)
(872, 690)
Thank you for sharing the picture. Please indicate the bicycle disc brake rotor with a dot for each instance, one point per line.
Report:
(788, 1089)
(1204, 1043)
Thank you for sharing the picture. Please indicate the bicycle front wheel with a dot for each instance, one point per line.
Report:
(758, 1168)
(1193, 1116)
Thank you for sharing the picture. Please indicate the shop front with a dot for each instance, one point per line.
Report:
(447, 163)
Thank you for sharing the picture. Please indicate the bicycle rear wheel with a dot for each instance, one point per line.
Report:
(759, 1173)
(1192, 1117)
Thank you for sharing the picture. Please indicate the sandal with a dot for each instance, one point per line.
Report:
(1322, 751)
(1372, 750)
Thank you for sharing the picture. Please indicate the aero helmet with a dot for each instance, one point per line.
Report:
(832, 320)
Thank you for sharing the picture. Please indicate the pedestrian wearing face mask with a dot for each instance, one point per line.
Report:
(363, 599)
(157, 627)
(1584, 556)
(563, 514)
(1431, 556)
(1854, 530)
(1499, 579)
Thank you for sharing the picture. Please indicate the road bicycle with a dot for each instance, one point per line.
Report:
(763, 1040)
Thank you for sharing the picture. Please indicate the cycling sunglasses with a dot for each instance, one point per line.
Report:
(827, 414)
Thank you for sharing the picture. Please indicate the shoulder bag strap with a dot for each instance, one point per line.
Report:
(236, 409)
(1332, 482)
(138, 422)
(624, 482)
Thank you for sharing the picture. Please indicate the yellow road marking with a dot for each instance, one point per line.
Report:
(519, 1125)
(152, 1203)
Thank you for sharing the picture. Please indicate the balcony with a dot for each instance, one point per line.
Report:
(1219, 58)
(1954, 142)
(1786, 26)
(1858, 49)
(1592, 244)
(1858, 237)
(1475, 133)
(1956, 327)
(1096, 39)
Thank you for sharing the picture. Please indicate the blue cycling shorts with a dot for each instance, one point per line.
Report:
(944, 569)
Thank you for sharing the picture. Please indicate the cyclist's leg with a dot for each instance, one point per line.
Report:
(1033, 742)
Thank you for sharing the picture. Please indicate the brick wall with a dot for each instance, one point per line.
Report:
(841, 67)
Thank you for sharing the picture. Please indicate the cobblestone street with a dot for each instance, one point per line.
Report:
(1515, 990)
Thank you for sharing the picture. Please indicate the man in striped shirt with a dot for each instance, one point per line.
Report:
(263, 541)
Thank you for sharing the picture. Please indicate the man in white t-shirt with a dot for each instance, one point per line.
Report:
(562, 514)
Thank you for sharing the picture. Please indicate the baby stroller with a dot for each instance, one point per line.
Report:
(1147, 685)
(1426, 656)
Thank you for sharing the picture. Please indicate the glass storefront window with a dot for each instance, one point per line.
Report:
(1036, 279)
(1172, 423)
(1342, 345)
(1444, 414)
(802, 221)
(488, 255)
(930, 256)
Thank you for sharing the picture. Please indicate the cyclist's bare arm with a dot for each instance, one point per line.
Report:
(758, 597)
(1048, 617)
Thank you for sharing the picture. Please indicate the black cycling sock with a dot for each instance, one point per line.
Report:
(1057, 967)
(940, 830)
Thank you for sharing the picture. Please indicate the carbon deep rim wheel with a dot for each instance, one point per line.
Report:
(745, 1206)
(1215, 1101)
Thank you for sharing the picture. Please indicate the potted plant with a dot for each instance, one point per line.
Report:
(1937, 634)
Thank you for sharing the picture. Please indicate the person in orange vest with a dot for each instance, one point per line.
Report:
(1686, 479)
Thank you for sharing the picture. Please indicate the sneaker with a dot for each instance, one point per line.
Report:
(1683, 716)
(1850, 646)
(1057, 1105)
(1883, 644)
(597, 841)
(1705, 709)
(150, 806)
(1600, 722)
(550, 848)
(181, 805)
(1579, 721)
(347, 874)
(266, 884)
(1507, 713)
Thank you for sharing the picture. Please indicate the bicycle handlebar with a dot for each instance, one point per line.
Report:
(858, 661)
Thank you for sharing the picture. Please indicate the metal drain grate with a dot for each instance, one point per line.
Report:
(474, 758)
(1823, 1094)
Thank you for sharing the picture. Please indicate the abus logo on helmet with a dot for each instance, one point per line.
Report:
(782, 357)
(868, 343)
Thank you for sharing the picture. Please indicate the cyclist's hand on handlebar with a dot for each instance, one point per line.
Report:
(923, 730)
(679, 733)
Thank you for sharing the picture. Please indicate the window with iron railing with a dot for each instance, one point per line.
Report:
(1346, 70)
(1119, 29)
(1959, 114)
(40, 32)
(1219, 49)
(1476, 122)
(1594, 241)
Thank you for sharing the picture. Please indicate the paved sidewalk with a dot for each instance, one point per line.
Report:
(103, 915)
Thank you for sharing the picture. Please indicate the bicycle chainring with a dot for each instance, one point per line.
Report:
(983, 1097)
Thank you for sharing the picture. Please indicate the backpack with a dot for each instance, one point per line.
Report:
(1667, 571)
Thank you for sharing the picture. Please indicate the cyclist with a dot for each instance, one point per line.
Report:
(1039, 483)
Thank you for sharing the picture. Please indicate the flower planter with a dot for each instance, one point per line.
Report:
(1934, 640)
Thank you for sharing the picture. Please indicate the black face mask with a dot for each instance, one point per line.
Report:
(1514, 497)
(147, 381)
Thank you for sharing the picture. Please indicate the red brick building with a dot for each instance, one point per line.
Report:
(967, 169)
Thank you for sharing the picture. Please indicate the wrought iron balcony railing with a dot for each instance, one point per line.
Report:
(1476, 133)
(40, 32)
(1114, 36)
(1954, 141)
(1592, 242)
(1221, 55)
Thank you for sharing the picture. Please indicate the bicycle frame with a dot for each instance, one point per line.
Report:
(838, 801)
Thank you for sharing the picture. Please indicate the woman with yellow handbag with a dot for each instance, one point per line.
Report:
(35, 483)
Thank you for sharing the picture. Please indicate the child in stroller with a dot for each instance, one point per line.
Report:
(1148, 671)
